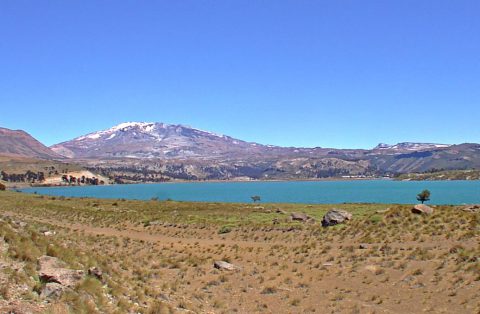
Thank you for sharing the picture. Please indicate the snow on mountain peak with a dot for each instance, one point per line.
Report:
(146, 126)
(126, 125)
(149, 128)
(411, 146)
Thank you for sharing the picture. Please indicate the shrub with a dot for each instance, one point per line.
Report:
(2, 187)
(224, 229)
(423, 196)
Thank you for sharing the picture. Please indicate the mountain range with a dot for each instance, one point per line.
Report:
(149, 151)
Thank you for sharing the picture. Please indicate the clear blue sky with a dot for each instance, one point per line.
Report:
(294, 73)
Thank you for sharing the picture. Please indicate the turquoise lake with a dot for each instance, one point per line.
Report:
(310, 192)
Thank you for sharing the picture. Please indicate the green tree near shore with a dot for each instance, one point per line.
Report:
(423, 196)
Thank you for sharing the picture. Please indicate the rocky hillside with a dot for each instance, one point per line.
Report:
(20, 143)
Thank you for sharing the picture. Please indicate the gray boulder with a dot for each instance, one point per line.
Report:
(422, 209)
(335, 217)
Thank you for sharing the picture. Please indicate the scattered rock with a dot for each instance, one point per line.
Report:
(52, 290)
(422, 209)
(335, 216)
(95, 272)
(259, 207)
(20, 224)
(300, 217)
(363, 246)
(49, 233)
(408, 279)
(153, 223)
(222, 265)
(275, 221)
(279, 211)
(472, 208)
(327, 264)
(51, 269)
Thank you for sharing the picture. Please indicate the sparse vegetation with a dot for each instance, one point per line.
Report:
(157, 256)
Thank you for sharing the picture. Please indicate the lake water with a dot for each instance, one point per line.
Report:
(313, 192)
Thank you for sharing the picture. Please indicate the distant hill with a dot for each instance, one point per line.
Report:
(157, 151)
(20, 143)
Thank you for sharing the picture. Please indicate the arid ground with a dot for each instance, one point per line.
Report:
(158, 257)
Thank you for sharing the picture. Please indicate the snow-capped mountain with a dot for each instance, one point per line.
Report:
(154, 140)
(410, 146)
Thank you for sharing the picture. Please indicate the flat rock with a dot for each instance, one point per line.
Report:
(222, 265)
(472, 208)
(299, 217)
(422, 209)
(335, 217)
(51, 269)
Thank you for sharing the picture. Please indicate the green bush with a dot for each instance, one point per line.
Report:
(224, 229)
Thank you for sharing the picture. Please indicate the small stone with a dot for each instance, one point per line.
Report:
(222, 265)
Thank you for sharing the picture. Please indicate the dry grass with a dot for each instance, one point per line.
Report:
(407, 263)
